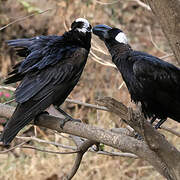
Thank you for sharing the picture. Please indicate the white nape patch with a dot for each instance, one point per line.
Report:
(86, 25)
(121, 38)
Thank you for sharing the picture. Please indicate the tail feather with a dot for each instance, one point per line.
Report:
(11, 131)
(15, 78)
(21, 46)
(20, 42)
(22, 116)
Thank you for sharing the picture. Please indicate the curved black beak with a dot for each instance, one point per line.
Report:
(101, 31)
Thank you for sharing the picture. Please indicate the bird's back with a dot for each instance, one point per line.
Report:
(153, 82)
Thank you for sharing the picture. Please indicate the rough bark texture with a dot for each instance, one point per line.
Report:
(168, 15)
(169, 155)
(155, 149)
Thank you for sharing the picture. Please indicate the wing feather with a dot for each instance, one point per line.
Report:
(154, 72)
(39, 52)
(33, 83)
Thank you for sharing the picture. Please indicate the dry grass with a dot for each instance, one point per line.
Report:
(97, 81)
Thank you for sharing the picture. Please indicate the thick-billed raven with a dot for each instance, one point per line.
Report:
(150, 80)
(50, 70)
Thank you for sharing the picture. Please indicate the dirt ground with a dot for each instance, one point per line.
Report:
(98, 80)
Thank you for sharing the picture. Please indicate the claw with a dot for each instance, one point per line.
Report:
(157, 126)
(152, 120)
(63, 122)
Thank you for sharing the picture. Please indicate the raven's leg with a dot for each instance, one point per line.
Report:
(159, 123)
(152, 120)
(64, 113)
(68, 117)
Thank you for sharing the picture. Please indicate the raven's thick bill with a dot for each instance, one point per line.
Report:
(50, 70)
(150, 80)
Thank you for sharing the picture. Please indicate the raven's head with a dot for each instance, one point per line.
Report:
(81, 25)
(106, 33)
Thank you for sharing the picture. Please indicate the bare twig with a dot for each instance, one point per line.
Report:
(166, 56)
(59, 134)
(142, 4)
(77, 140)
(154, 43)
(47, 142)
(23, 18)
(86, 104)
(48, 151)
(10, 101)
(98, 48)
(10, 149)
(121, 85)
(8, 88)
(101, 61)
(107, 3)
(75, 148)
(82, 149)
(116, 154)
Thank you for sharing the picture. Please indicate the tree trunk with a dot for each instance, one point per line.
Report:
(168, 15)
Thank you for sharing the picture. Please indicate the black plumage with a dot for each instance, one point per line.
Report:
(50, 70)
(150, 80)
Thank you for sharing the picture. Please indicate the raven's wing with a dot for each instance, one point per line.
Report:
(39, 90)
(151, 71)
(160, 87)
(34, 82)
(39, 52)
(45, 79)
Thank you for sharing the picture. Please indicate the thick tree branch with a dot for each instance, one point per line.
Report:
(118, 141)
(168, 154)
(91, 106)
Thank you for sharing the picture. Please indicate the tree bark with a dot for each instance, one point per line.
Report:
(168, 15)
(155, 149)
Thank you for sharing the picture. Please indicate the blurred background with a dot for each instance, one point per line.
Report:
(99, 79)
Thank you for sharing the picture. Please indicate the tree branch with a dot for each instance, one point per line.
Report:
(119, 141)
(168, 154)
(23, 18)
(91, 106)
(82, 149)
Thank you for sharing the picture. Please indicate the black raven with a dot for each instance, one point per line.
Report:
(50, 70)
(150, 80)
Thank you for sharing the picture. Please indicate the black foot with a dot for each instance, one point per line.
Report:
(37, 116)
(157, 126)
(152, 120)
(64, 113)
(63, 122)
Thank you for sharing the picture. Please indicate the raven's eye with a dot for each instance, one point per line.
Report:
(77, 25)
